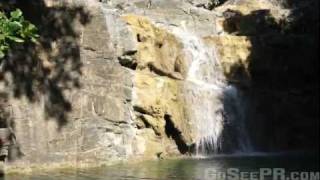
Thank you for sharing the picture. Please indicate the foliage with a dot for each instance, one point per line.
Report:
(15, 30)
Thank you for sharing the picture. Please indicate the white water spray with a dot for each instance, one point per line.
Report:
(205, 89)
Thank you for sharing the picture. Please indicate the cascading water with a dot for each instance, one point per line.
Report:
(212, 103)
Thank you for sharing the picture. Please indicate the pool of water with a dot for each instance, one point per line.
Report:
(183, 169)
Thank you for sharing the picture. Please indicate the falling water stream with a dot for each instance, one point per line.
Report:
(211, 101)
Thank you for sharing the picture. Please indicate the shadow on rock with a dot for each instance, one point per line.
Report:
(42, 72)
(283, 75)
(45, 71)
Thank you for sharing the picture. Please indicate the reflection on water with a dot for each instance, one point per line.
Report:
(184, 169)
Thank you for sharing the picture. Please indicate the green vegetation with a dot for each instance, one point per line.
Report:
(15, 30)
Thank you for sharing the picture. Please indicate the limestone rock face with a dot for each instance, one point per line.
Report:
(131, 88)
(158, 50)
(158, 84)
(232, 50)
(99, 127)
(201, 3)
(272, 73)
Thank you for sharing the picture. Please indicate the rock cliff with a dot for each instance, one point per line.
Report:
(130, 102)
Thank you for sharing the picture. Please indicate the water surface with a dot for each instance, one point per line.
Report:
(183, 169)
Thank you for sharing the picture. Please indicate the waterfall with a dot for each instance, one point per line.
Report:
(211, 102)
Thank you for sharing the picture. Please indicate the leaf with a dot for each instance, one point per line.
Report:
(1, 54)
(16, 14)
(28, 29)
(3, 47)
(16, 39)
(2, 37)
(14, 26)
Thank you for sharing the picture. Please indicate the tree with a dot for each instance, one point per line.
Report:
(15, 30)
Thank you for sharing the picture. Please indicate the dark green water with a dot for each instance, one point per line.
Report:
(184, 169)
